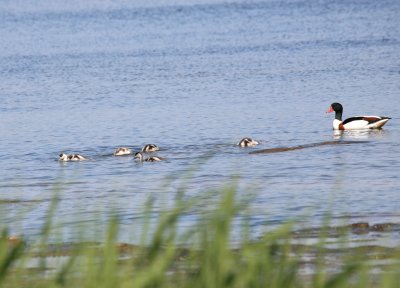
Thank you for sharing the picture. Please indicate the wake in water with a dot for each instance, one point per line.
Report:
(298, 147)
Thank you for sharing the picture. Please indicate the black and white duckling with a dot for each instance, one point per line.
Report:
(150, 148)
(71, 157)
(122, 151)
(139, 156)
(248, 142)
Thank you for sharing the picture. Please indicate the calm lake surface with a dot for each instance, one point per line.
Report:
(195, 77)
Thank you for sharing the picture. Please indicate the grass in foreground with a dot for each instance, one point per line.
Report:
(204, 257)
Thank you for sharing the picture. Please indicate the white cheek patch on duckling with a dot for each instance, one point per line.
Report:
(138, 156)
(63, 157)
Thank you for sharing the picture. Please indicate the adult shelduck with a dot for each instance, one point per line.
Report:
(248, 142)
(72, 157)
(150, 148)
(139, 156)
(122, 151)
(355, 123)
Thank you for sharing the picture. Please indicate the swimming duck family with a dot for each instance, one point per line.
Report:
(352, 123)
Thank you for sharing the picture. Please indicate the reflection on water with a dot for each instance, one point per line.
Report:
(195, 79)
(359, 134)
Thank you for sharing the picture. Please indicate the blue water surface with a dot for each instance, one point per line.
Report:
(195, 77)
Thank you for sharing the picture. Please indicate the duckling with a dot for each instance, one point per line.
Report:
(122, 151)
(140, 158)
(71, 157)
(248, 142)
(150, 148)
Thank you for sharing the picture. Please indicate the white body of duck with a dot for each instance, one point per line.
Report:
(248, 142)
(139, 156)
(355, 123)
(122, 151)
(150, 148)
(71, 157)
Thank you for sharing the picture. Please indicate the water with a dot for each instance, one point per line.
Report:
(195, 77)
